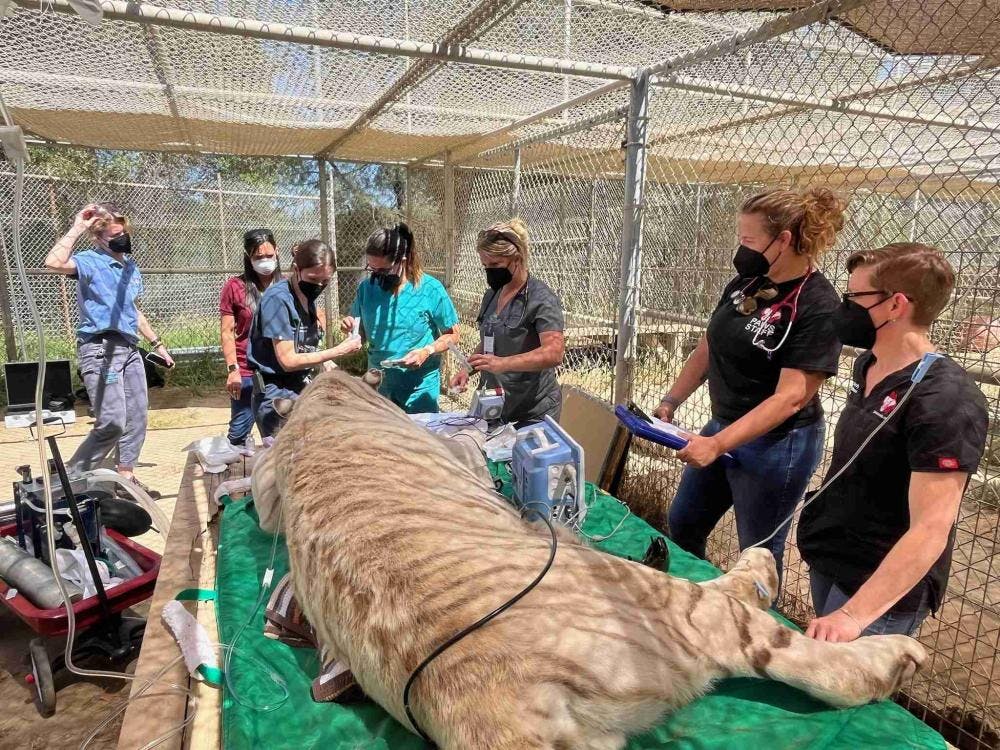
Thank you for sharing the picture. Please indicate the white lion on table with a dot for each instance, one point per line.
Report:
(394, 548)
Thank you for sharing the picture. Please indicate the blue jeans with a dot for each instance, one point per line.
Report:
(768, 478)
(268, 421)
(828, 597)
(241, 413)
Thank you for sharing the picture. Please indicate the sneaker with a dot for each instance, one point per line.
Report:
(153, 494)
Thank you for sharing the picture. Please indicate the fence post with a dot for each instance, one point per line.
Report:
(631, 257)
(6, 314)
(515, 184)
(915, 221)
(328, 233)
(407, 198)
(592, 242)
(449, 223)
(222, 222)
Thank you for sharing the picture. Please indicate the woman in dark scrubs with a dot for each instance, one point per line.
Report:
(521, 329)
(879, 539)
(770, 344)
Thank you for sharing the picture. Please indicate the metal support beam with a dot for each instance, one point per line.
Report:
(867, 92)
(515, 184)
(469, 28)
(223, 234)
(157, 58)
(753, 93)
(783, 24)
(38, 78)
(463, 149)
(450, 235)
(631, 256)
(576, 126)
(328, 233)
(249, 28)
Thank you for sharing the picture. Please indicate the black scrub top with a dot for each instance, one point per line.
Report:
(851, 527)
(535, 309)
(742, 374)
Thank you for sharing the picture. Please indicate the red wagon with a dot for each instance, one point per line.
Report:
(100, 630)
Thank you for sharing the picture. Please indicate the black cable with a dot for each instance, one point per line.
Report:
(476, 625)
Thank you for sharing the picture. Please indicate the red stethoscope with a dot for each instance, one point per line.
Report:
(773, 313)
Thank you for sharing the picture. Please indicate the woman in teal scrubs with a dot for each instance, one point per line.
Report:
(407, 318)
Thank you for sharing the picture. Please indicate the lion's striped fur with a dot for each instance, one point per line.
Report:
(394, 547)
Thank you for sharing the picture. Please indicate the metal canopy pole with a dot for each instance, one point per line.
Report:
(631, 256)
(783, 24)
(515, 184)
(481, 18)
(250, 28)
(895, 114)
(328, 233)
(449, 224)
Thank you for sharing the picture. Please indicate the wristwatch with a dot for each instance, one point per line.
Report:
(232, 368)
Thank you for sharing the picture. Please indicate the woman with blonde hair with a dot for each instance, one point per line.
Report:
(109, 286)
(769, 346)
(521, 329)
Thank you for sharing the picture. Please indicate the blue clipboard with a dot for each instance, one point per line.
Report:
(661, 433)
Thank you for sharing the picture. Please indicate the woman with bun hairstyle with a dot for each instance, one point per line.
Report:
(521, 329)
(769, 346)
(407, 319)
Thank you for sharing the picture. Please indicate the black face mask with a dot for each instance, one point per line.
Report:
(749, 263)
(854, 325)
(310, 290)
(120, 244)
(386, 279)
(498, 278)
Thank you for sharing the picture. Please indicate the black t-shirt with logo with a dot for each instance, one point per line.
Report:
(742, 373)
(851, 527)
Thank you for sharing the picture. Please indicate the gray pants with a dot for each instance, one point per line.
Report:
(115, 379)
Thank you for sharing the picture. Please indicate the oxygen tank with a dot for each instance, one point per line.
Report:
(32, 578)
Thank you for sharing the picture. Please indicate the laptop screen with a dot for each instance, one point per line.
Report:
(21, 377)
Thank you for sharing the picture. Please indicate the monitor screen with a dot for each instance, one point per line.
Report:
(21, 377)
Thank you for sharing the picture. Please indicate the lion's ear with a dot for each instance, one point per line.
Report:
(283, 407)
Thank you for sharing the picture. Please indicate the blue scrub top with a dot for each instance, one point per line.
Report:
(396, 324)
(279, 317)
(106, 295)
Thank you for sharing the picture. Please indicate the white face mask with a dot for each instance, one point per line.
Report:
(264, 266)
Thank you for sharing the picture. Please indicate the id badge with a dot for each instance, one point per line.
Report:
(488, 344)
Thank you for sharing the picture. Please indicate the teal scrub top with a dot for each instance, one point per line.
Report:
(396, 324)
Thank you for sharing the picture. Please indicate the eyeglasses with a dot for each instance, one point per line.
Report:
(851, 295)
(369, 268)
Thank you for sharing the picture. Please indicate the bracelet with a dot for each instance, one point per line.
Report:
(853, 618)
(431, 351)
(155, 343)
(668, 399)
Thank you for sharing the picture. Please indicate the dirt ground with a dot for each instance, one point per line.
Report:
(176, 419)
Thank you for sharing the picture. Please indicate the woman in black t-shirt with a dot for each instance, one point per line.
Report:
(878, 540)
(770, 344)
